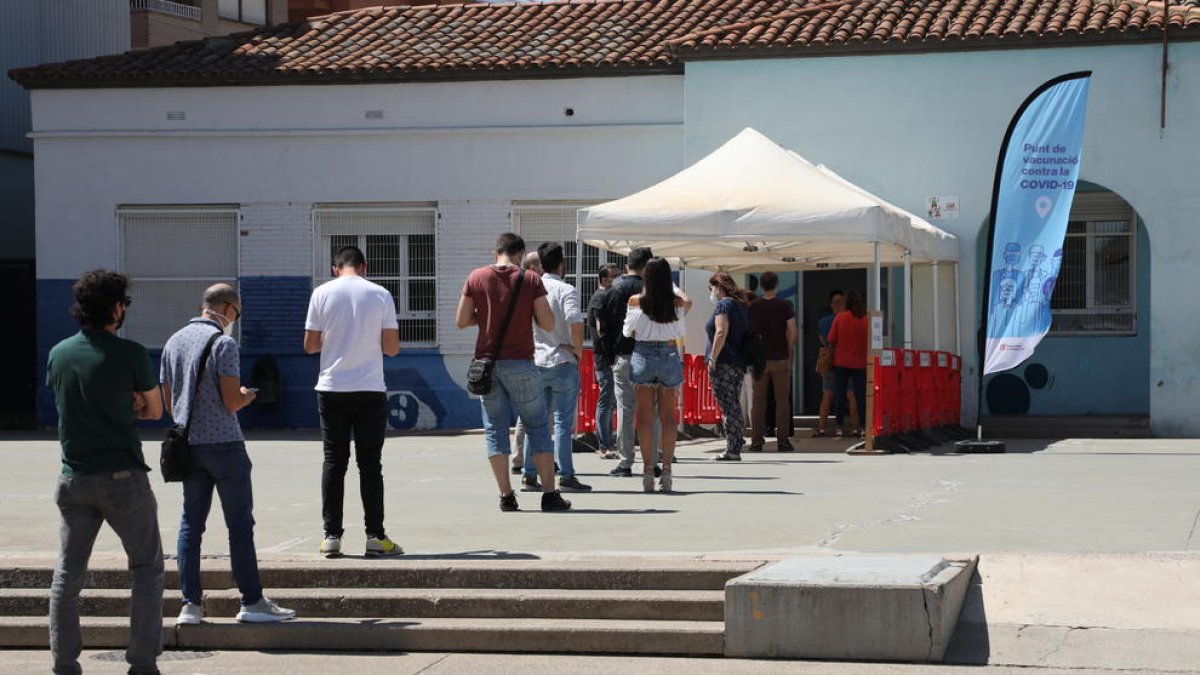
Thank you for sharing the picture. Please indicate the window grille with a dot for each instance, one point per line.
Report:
(539, 223)
(172, 254)
(1095, 292)
(400, 245)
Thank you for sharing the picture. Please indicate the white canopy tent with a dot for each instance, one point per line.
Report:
(753, 205)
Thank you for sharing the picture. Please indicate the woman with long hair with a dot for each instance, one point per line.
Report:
(654, 320)
(726, 330)
(848, 338)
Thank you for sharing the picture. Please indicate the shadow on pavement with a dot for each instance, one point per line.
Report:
(970, 644)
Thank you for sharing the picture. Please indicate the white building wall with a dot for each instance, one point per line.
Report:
(440, 142)
(467, 230)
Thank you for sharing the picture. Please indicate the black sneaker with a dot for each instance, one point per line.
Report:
(572, 484)
(755, 448)
(553, 501)
(785, 447)
(657, 471)
(517, 470)
(509, 502)
(624, 471)
(530, 484)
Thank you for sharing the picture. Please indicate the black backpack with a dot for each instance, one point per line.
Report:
(752, 348)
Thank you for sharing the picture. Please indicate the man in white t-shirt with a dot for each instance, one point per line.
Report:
(352, 323)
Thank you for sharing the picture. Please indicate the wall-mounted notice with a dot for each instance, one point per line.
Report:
(876, 331)
(941, 207)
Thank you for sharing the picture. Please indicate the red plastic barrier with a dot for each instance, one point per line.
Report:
(885, 408)
(907, 391)
(699, 403)
(927, 400)
(589, 395)
(942, 392)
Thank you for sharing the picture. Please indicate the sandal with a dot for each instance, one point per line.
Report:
(607, 454)
(818, 432)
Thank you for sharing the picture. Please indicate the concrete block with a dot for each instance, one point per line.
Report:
(858, 608)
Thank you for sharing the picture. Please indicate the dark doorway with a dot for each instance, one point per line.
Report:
(817, 286)
(17, 340)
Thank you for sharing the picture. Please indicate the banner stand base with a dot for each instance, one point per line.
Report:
(980, 447)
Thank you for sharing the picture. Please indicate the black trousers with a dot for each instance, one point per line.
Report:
(361, 415)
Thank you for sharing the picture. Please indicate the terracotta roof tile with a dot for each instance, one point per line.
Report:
(596, 37)
(926, 24)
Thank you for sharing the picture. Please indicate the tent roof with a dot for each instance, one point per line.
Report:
(751, 204)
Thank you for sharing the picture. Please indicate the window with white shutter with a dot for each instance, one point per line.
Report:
(1095, 293)
(171, 255)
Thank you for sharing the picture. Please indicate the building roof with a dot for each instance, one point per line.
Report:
(872, 25)
(599, 37)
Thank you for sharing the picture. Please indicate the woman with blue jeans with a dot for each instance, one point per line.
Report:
(655, 321)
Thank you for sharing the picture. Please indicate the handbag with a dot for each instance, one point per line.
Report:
(824, 360)
(175, 460)
(480, 371)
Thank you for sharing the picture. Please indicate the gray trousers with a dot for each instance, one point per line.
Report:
(125, 501)
(626, 414)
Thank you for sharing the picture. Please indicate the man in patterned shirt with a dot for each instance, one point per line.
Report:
(219, 458)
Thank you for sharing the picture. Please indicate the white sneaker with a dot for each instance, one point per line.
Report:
(190, 615)
(264, 611)
(331, 546)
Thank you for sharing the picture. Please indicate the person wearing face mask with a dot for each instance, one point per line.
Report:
(102, 385)
(219, 458)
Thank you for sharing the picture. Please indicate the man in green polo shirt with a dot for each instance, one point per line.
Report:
(102, 385)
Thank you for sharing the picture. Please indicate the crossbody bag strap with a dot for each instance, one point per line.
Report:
(187, 428)
(512, 306)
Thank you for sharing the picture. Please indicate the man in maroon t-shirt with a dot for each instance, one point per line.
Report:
(774, 319)
(515, 381)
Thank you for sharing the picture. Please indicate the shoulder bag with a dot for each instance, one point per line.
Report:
(479, 372)
(175, 461)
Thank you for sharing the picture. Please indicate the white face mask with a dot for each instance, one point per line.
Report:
(712, 297)
(226, 324)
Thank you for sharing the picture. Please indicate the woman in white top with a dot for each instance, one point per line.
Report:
(655, 321)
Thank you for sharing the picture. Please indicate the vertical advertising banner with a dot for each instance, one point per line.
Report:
(1036, 176)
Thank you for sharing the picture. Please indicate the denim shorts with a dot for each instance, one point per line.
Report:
(827, 380)
(656, 363)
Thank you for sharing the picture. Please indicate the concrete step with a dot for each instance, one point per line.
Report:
(561, 636)
(621, 574)
(423, 603)
(1067, 426)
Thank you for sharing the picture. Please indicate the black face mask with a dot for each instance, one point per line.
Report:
(121, 321)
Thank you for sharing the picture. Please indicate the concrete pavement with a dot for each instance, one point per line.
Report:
(1088, 548)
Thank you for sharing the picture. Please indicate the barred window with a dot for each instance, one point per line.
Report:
(172, 254)
(541, 222)
(1095, 291)
(400, 245)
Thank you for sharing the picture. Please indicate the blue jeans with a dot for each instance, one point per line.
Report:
(515, 384)
(561, 387)
(606, 405)
(225, 466)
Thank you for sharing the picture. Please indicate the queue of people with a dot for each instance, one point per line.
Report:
(104, 383)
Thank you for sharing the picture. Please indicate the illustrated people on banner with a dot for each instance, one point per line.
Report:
(1003, 311)
(1033, 298)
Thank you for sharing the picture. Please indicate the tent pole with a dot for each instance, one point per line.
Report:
(877, 293)
(937, 310)
(908, 300)
(957, 314)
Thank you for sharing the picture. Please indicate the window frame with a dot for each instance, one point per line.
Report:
(1089, 235)
(322, 266)
(577, 277)
(216, 209)
(241, 13)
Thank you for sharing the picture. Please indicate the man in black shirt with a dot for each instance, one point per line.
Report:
(606, 403)
(611, 321)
